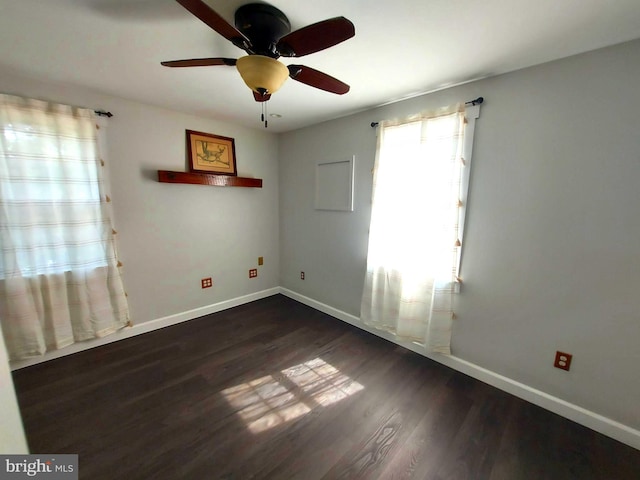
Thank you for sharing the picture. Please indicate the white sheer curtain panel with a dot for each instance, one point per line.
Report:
(414, 239)
(59, 275)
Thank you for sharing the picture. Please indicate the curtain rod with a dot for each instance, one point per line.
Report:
(100, 113)
(477, 101)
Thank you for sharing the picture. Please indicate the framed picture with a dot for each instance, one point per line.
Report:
(207, 153)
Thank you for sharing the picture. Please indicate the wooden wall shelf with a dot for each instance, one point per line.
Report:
(208, 179)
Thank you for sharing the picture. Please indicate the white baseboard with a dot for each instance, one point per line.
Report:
(592, 420)
(145, 327)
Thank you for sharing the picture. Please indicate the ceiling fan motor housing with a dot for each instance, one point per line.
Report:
(263, 25)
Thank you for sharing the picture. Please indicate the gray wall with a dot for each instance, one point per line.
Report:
(172, 235)
(550, 258)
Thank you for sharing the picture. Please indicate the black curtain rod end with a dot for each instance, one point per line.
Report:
(102, 113)
(475, 102)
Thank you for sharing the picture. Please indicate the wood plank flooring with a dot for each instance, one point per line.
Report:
(276, 390)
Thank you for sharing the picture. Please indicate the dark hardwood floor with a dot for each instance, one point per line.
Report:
(274, 389)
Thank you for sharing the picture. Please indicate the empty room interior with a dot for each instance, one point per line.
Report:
(258, 334)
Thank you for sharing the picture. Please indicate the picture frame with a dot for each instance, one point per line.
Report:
(209, 153)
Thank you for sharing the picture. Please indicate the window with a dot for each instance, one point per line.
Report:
(59, 275)
(420, 189)
(51, 197)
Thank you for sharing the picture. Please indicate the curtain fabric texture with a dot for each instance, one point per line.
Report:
(414, 246)
(59, 275)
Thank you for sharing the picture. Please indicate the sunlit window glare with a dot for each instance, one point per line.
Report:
(415, 200)
(272, 400)
(54, 174)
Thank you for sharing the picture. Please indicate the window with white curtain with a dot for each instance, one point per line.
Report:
(51, 185)
(415, 238)
(59, 274)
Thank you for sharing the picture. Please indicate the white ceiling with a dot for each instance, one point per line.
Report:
(402, 48)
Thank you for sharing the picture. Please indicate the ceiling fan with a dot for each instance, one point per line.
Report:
(264, 32)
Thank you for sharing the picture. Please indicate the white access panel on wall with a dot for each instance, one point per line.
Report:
(334, 185)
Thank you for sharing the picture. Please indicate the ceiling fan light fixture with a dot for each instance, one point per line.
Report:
(262, 73)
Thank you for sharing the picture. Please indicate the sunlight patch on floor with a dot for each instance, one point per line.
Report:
(272, 400)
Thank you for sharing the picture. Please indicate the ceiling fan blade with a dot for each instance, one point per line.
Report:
(317, 79)
(200, 62)
(261, 98)
(205, 13)
(316, 37)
